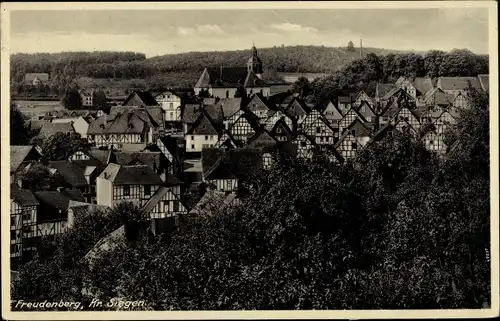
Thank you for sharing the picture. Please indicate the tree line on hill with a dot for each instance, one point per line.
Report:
(367, 72)
(344, 64)
(395, 228)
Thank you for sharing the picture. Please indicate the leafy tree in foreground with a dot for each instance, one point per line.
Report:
(60, 145)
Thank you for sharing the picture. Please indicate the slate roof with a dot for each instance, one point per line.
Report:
(345, 99)
(59, 200)
(360, 129)
(23, 197)
(439, 96)
(18, 154)
(107, 243)
(458, 83)
(131, 175)
(297, 107)
(211, 200)
(203, 126)
(484, 80)
(262, 139)
(423, 84)
(37, 124)
(253, 81)
(240, 162)
(145, 96)
(229, 106)
(259, 102)
(40, 75)
(71, 173)
(383, 89)
(49, 129)
(231, 77)
(151, 159)
(191, 113)
(100, 155)
(122, 123)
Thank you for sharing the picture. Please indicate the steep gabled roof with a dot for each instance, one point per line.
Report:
(259, 102)
(156, 198)
(49, 129)
(297, 107)
(383, 89)
(59, 200)
(204, 125)
(231, 77)
(40, 75)
(423, 84)
(262, 139)
(73, 174)
(151, 159)
(253, 81)
(458, 83)
(229, 106)
(145, 96)
(226, 139)
(484, 80)
(359, 129)
(23, 197)
(191, 113)
(18, 154)
(131, 175)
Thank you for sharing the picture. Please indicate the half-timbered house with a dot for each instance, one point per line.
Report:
(23, 211)
(244, 127)
(260, 106)
(332, 113)
(305, 146)
(132, 183)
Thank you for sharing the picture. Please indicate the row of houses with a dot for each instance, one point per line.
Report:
(155, 150)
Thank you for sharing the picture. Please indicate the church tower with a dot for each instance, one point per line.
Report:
(254, 64)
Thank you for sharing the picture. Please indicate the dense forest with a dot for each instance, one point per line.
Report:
(395, 228)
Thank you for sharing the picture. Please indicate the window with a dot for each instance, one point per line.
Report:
(278, 130)
(206, 137)
(318, 130)
(192, 146)
(147, 190)
(431, 142)
(227, 93)
(303, 144)
(171, 105)
(171, 114)
(363, 109)
(354, 146)
(229, 184)
(353, 132)
(26, 216)
(12, 221)
(12, 235)
(176, 206)
(126, 190)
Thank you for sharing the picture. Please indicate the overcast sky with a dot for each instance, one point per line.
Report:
(168, 31)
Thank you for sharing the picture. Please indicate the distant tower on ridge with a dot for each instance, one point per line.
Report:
(254, 64)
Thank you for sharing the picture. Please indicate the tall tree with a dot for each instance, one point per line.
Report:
(350, 47)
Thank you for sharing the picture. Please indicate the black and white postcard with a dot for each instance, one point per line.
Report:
(249, 160)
